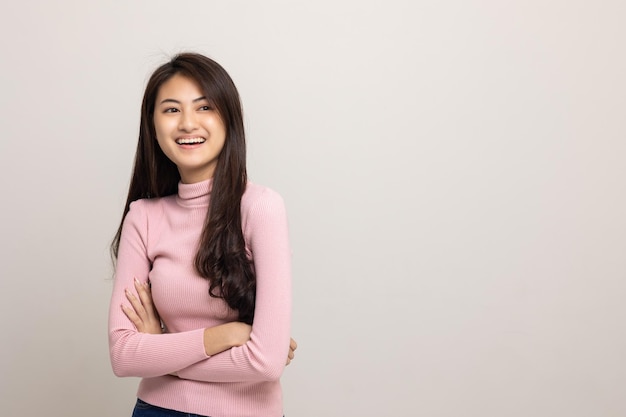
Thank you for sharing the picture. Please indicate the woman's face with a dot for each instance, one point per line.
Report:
(189, 131)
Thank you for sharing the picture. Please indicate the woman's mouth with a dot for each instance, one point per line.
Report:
(190, 141)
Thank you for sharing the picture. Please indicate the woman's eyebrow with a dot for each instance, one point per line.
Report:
(171, 100)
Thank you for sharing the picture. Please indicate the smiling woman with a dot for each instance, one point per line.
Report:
(201, 304)
(189, 130)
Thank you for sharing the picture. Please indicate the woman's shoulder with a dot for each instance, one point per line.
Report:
(151, 203)
(257, 194)
(261, 207)
(148, 207)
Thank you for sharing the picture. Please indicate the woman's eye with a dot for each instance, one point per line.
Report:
(205, 108)
(170, 110)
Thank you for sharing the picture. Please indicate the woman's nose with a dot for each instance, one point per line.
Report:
(188, 122)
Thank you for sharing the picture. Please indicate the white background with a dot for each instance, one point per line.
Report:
(454, 175)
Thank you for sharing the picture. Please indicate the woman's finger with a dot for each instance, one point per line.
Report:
(292, 347)
(146, 298)
(290, 357)
(133, 317)
(142, 314)
(136, 304)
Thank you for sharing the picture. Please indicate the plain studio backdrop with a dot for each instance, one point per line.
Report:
(454, 173)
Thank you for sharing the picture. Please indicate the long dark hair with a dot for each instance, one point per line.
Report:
(221, 256)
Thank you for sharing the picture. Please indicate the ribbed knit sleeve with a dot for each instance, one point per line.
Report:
(263, 357)
(139, 354)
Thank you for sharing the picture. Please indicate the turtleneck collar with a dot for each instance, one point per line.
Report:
(196, 194)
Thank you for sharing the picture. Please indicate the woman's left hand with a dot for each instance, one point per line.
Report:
(292, 348)
(143, 314)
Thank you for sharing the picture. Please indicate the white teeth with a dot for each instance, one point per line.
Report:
(189, 141)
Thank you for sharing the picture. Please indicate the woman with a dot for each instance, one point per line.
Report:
(206, 249)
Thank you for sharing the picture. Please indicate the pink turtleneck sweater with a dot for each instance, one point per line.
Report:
(159, 242)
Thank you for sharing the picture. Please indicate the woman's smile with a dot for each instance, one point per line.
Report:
(190, 141)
